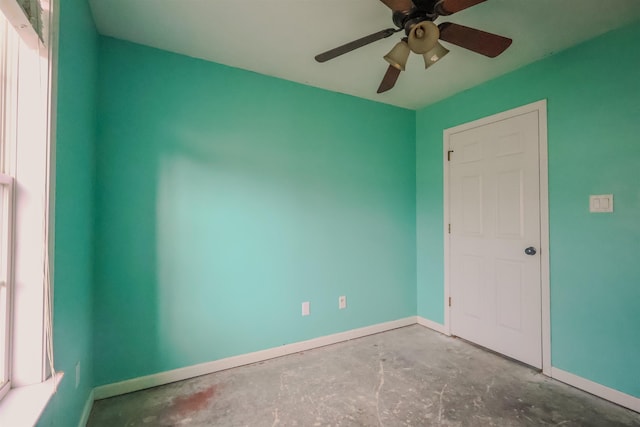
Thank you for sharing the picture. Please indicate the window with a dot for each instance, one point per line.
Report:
(25, 326)
(7, 90)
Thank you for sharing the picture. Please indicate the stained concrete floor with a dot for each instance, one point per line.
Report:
(406, 377)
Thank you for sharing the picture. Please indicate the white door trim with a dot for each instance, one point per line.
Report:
(541, 108)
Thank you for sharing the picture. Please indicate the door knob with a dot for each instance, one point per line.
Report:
(530, 250)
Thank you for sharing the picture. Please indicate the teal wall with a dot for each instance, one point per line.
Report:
(74, 211)
(226, 198)
(593, 128)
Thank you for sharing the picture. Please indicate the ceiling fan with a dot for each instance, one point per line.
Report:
(416, 18)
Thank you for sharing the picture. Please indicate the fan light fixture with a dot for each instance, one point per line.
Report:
(434, 55)
(423, 37)
(415, 18)
(399, 55)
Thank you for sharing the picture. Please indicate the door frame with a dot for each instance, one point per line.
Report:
(541, 108)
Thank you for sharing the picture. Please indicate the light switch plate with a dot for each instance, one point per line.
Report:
(601, 203)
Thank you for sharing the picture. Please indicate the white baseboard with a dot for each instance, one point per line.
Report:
(432, 325)
(140, 383)
(87, 409)
(596, 389)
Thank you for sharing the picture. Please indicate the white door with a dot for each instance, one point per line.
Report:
(494, 212)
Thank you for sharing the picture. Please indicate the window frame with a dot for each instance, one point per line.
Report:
(6, 282)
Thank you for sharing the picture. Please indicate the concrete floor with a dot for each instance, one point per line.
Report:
(407, 377)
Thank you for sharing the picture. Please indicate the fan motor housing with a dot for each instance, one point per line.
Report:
(406, 20)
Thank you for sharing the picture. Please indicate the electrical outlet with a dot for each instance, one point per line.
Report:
(342, 302)
(77, 374)
(305, 308)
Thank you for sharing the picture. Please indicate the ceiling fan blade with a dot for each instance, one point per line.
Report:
(348, 47)
(398, 5)
(448, 7)
(389, 79)
(478, 41)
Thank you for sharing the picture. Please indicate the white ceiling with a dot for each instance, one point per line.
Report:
(281, 37)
